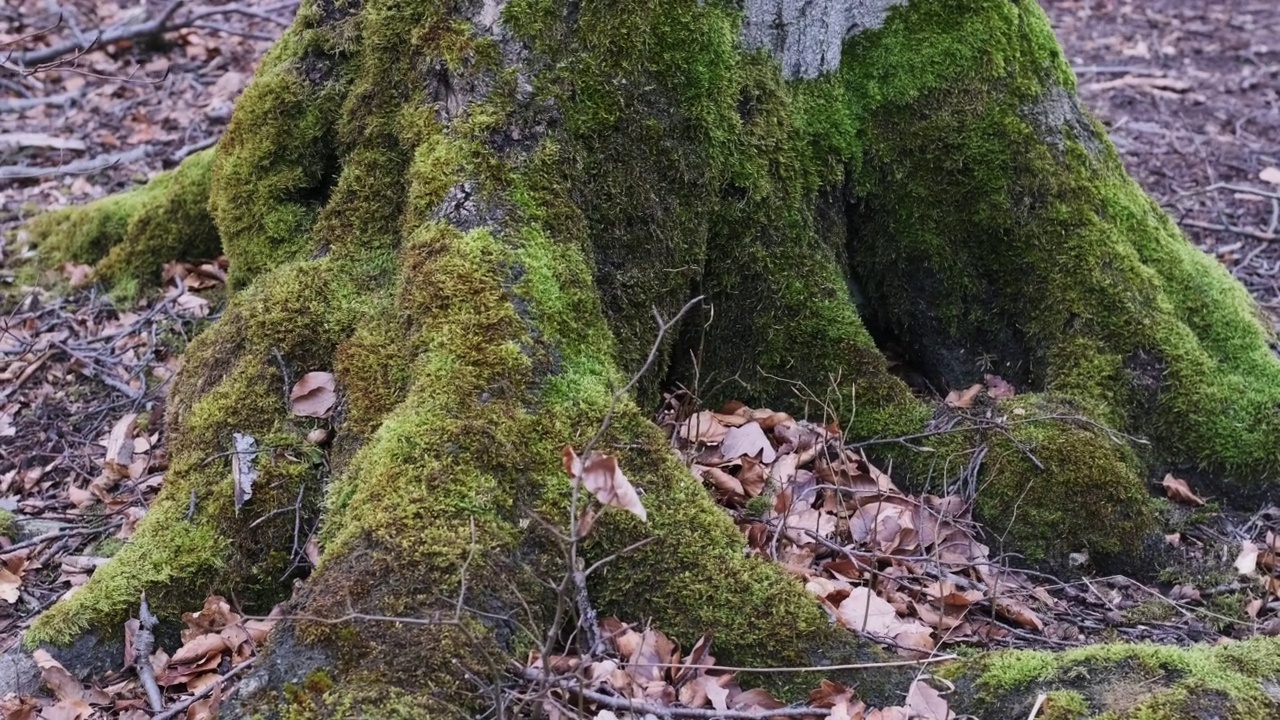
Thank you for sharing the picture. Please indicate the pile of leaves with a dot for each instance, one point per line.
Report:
(216, 645)
(643, 673)
(908, 571)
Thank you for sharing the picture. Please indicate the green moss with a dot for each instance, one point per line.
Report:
(1103, 300)
(1117, 681)
(129, 236)
(473, 231)
(8, 525)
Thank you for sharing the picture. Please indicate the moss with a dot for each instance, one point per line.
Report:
(473, 230)
(1130, 681)
(8, 525)
(959, 168)
(129, 235)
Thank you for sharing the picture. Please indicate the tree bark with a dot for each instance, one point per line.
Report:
(472, 211)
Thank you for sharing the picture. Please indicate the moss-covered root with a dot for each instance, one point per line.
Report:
(995, 230)
(1122, 682)
(129, 235)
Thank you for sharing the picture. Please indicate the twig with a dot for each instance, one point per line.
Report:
(21, 104)
(663, 327)
(59, 534)
(114, 35)
(1232, 188)
(1247, 232)
(617, 703)
(1035, 709)
(79, 167)
(144, 642)
(194, 148)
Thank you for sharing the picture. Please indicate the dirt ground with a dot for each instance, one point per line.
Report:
(1190, 93)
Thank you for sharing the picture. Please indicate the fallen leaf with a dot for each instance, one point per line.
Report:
(602, 477)
(1177, 489)
(747, 441)
(963, 398)
(77, 274)
(314, 395)
(120, 447)
(999, 388)
(1270, 174)
(1247, 561)
(703, 428)
(925, 703)
(10, 586)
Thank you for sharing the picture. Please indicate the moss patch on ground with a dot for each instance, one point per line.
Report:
(127, 236)
(1120, 681)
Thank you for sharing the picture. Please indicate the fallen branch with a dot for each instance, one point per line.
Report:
(144, 642)
(1247, 232)
(160, 24)
(79, 167)
(612, 702)
(167, 21)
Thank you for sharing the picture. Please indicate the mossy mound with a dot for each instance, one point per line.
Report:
(129, 235)
(1120, 681)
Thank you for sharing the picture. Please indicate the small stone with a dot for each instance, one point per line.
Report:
(319, 436)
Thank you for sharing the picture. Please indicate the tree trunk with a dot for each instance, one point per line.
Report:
(471, 211)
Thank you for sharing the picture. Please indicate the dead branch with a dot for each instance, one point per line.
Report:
(168, 20)
(78, 167)
(144, 642)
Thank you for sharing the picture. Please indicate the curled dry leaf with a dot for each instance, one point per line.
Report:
(1178, 490)
(747, 440)
(703, 427)
(602, 477)
(963, 398)
(314, 395)
(120, 447)
(925, 703)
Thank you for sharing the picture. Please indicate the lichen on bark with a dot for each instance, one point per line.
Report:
(471, 211)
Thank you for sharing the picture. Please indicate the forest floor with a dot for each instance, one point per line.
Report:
(1189, 91)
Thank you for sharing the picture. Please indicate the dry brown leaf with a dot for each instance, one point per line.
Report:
(924, 703)
(59, 680)
(314, 395)
(77, 274)
(67, 709)
(120, 447)
(747, 440)
(703, 428)
(1247, 560)
(963, 398)
(1018, 613)
(1177, 489)
(18, 707)
(206, 709)
(198, 649)
(602, 477)
(10, 586)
